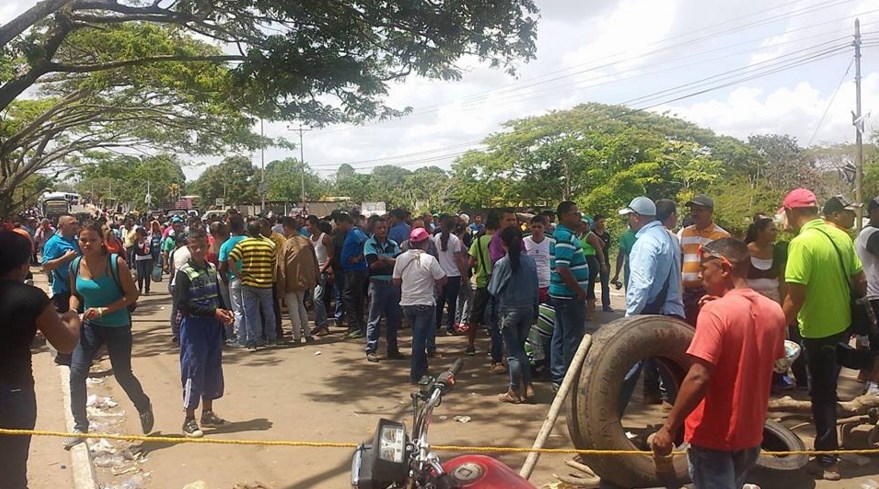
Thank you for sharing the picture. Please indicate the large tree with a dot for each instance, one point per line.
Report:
(284, 179)
(126, 179)
(234, 179)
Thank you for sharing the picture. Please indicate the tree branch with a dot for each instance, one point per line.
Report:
(68, 68)
(16, 26)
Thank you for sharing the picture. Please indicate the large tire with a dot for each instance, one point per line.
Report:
(594, 417)
(777, 438)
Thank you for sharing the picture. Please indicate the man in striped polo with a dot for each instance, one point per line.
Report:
(569, 275)
(256, 257)
(701, 232)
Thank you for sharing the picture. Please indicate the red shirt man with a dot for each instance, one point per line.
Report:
(723, 400)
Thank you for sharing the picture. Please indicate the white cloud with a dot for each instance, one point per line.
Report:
(796, 111)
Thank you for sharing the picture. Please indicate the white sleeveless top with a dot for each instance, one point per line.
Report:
(320, 249)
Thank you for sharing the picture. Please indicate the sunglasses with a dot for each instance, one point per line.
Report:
(706, 253)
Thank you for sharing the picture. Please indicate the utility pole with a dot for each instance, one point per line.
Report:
(262, 181)
(302, 162)
(858, 122)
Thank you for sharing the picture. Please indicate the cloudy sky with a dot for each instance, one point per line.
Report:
(757, 66)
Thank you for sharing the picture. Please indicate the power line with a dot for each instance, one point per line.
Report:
(725, 79)
(830, 103)
(510, 90)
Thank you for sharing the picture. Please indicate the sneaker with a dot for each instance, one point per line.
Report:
(435, 354)
(251, 348)
(314, 330)
(72, 441)
(309, 339)
(372, 357)
(191, 429)
(209, 419)
(499, 368)
(556, 387)
(147, 420)
(322, 332)
(396, 355)
(826, 472)
(607, 309)
(282, 342)
(470, 351)
(510, 396)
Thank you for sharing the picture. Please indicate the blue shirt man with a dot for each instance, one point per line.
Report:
(399, 232)
(352, 248)
(376, 248)
(566, 252)
(654, 263)
(58, 245)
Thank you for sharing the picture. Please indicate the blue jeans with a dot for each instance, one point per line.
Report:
(570, 326)
(515, 326)
(384, 300)
(320, 297)
(450, 297)
(715, 469)
(339, 292)
(236, 303)
(256, 299)
(175, 321)
(421, 318)
(118, 340)
(18, 411)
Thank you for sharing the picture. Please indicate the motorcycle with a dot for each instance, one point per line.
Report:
(395, 460)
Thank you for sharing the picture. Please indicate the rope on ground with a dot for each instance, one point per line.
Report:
(176, 440)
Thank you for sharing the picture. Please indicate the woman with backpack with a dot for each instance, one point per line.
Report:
(101, 285)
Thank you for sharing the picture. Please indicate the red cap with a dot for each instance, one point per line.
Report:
(799, 198)
(418, 235)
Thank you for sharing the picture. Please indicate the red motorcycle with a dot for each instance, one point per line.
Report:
(395, 460)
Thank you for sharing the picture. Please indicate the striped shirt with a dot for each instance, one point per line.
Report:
(691, 238)
(256, 256)
(566, 252)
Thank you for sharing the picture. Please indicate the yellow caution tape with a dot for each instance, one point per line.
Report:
(448, 448)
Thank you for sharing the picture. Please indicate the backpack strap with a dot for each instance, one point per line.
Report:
(74, 272)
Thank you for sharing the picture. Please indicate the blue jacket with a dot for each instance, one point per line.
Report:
(515, 290)
(353, 247)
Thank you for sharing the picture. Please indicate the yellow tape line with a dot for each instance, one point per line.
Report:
(329, 444)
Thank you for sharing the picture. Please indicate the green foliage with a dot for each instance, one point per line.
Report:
(235, 180)
(111, 178)
(284, 181)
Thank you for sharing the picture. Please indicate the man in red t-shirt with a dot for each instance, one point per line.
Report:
(739, 335)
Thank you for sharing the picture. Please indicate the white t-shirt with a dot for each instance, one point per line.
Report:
(540, 253)
(447, 258)
(180, 258)
(869, 261)
(419, 272)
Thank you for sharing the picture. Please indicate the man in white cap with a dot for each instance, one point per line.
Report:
(654, 262)
(654, 287)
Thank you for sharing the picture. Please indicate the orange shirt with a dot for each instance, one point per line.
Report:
(691, 238)
(741, 334)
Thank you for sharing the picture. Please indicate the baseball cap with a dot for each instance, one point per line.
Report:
(800, 198)
(176, 219)
(641, 206)
(417, 235)
(839, 203)
(702, 201)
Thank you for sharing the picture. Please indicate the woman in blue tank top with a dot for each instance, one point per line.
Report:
(102, 285)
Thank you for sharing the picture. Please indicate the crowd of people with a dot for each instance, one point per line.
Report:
(527, 280)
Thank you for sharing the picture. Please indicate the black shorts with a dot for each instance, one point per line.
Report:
(481, 299)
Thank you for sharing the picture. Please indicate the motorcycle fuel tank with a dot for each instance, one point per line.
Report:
(482, 472)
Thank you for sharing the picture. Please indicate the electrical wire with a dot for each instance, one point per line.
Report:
(830, 103)
(510, 90)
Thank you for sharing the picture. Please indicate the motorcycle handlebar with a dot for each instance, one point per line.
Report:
(446, 380)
